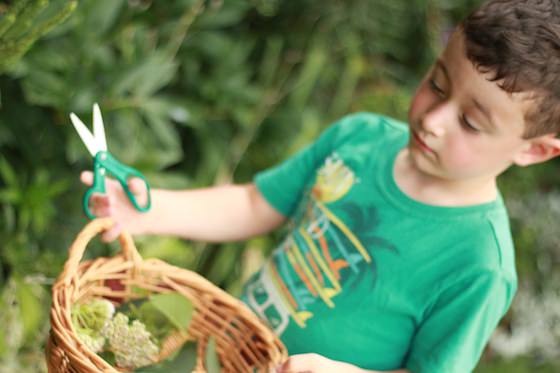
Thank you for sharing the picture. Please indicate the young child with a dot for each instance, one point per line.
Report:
(398, 253)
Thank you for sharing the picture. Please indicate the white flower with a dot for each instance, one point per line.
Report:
(93, 343)
(132, 345)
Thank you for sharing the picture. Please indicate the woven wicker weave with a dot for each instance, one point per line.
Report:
(243, 342)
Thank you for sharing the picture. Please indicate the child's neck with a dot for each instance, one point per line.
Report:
(440, 192)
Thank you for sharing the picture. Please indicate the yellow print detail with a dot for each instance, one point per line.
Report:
(334, 180)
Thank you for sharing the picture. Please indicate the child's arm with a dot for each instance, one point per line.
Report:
(216, 214)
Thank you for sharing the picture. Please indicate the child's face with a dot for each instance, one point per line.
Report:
(463, 126)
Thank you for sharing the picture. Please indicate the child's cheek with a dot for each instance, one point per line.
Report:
(459, 154)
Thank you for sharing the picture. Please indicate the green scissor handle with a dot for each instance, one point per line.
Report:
(104, 162)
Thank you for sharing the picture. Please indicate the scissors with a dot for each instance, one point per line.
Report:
(104, 162)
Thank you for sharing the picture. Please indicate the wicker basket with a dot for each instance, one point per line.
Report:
(243, 342)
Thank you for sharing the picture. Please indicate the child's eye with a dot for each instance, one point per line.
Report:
(467, 125)
(436, 88)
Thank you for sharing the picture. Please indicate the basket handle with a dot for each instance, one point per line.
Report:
(96, 226)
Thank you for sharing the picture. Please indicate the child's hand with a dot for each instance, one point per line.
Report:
(310, 363)
(315, 363)
(115, 204)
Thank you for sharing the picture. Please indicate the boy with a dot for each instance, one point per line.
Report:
(399, 253)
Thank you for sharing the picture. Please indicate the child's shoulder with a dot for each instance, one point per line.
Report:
(484, 242)
(370, 120)
(503, 241)
(367, 126)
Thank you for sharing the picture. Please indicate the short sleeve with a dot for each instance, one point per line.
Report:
(459, 324)
(282, 186)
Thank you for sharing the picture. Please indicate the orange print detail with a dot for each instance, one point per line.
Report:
(304, 278)
(327, 254)
(283, 286)
(338, 265)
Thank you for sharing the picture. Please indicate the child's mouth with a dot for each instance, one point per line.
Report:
(421, 143)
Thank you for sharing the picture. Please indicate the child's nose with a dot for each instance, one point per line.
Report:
(437, 119)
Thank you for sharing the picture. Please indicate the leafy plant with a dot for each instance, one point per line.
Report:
(196, 93)
(24, 21)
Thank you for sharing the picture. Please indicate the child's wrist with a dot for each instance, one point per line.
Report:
(145, 222)
(140, 224)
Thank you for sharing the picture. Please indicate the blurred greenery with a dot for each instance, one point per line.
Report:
(202, 92)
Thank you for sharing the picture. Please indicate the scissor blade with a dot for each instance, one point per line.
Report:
(85, 135)
(98, 129)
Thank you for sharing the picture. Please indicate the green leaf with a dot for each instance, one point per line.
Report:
(231, 12)
(12, 196)
(45, 88)
(157, 112)
(175, 307)
(211, 359)
(145, 77)
(99, 16)
(155, 321)
(7, 173)
(108, 356)
(310, 73)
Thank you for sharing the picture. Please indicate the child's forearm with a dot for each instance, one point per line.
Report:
(217, 214)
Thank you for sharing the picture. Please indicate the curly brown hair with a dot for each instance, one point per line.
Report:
(518, 41)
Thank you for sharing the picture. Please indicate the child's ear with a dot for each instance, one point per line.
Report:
(538, 150)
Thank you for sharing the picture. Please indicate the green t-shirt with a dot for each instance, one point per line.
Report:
(369, 276)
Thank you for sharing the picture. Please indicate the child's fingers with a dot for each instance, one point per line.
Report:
(101, 205)
(86, 177)
(102, 211)
(100, 200)
(112, 233)
(136, 185)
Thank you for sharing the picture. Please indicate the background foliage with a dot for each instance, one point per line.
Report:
(202, 92)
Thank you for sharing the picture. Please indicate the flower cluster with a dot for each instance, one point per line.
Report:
(92, 342)
(93, 315)
(96, 323)
(132, 344)
(89, 319)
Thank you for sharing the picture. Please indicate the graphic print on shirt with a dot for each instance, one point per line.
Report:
(320, 254)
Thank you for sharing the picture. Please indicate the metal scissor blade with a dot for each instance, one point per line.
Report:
(98, 129)
(86, 136)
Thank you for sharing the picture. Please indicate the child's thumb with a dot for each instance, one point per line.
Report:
(86, 177)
